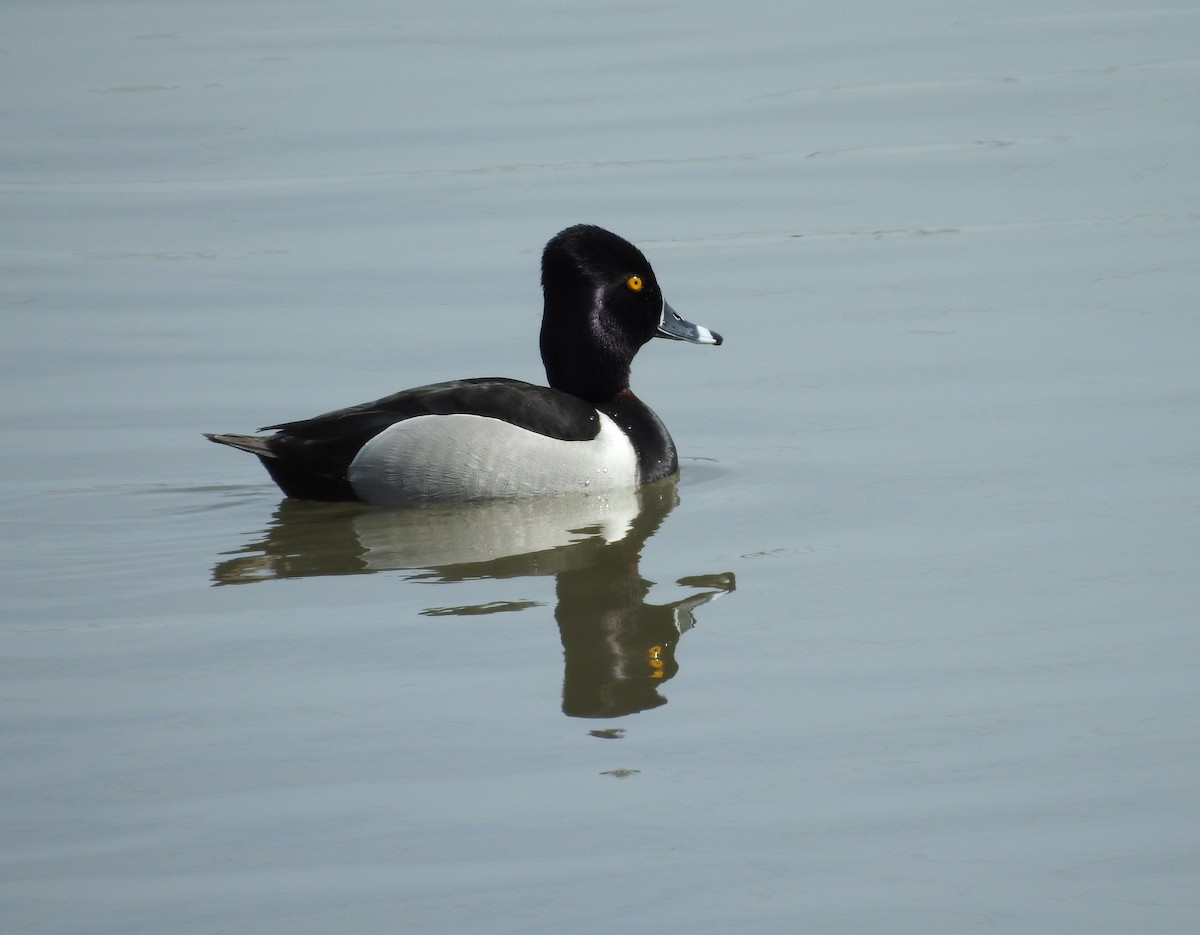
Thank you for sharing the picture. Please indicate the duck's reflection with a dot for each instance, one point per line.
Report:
(618, 647)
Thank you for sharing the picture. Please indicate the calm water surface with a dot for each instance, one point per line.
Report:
(910, 645)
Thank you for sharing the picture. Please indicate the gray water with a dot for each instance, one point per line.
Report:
(910, 646)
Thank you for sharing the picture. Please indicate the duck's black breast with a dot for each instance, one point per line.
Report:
(310, 458)
(651, 441)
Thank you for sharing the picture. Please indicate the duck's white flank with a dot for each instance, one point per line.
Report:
(469, 457)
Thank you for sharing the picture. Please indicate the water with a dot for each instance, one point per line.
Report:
(909, 647)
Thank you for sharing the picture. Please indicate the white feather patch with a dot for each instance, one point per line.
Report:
(469, 457)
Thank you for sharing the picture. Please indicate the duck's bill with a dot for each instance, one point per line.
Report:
(674, 326)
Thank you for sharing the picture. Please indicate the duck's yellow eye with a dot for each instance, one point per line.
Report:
(635, 283)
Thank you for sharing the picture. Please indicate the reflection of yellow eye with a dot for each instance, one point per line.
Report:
(635, 283)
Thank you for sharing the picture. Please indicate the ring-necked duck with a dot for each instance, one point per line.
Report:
(493, 437)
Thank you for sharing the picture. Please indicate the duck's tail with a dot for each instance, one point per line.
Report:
(255, 444)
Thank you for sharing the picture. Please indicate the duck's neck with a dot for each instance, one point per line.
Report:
(581, 356)
(588, 381)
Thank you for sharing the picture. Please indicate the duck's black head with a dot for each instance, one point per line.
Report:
(602, 303)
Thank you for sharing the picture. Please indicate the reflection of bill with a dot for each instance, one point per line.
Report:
(618, 648)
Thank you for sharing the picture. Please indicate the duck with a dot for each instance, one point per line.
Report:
(491, 438)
